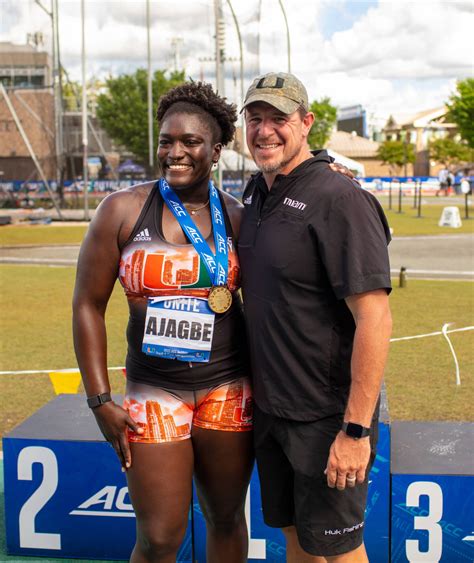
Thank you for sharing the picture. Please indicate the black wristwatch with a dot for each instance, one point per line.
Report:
(355, 431)
(97, 400)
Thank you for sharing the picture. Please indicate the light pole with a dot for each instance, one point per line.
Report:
(149, 91)
(176, 43)
(85, 140)
(287, 35)
(220, 57)
(57, 87)
(220, 46)
(405, 155)
(242, 122)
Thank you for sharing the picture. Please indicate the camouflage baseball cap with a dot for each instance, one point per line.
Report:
(282, 91)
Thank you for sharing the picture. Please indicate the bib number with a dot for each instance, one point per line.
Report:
(178, 328)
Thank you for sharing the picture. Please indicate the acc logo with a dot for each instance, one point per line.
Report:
(209, 260)
(221, 243)
(217, 216)
(178, 209)
(193, 234)
(107, 502)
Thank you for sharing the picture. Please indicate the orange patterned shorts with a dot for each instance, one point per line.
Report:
(169, 415)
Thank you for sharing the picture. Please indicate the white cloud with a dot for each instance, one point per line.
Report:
(398, 53)
(406, 39)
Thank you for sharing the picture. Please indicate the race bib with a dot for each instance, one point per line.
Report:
(178, 328)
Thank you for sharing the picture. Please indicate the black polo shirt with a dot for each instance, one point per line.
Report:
(314, 239)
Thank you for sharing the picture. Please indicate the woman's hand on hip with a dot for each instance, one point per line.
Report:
(113, 422)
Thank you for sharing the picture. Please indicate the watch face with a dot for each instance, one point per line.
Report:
(354, 430)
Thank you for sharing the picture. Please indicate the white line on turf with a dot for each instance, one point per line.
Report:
(69, 370)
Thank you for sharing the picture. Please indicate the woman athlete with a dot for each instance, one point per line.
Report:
(188, 406)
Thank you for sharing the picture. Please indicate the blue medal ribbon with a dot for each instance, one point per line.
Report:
(217, 265)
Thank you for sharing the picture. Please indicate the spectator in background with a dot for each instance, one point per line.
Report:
(450, 183)
(443, 177)
(378, 184)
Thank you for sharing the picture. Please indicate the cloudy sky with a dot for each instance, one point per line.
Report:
(394, 56)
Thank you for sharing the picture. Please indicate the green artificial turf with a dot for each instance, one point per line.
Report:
(35, 334)
(403, 224)
(12, 235)
(420, 374)
(408, 224)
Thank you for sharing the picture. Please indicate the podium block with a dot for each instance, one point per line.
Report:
(432, 492)
(268, 544)
(65, 494)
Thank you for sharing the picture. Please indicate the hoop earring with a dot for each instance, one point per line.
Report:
(214, 164)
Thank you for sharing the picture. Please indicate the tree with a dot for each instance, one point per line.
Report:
(448, 151)
(72, 95)
(461, 109)
(396, 153)
(123, 109)
(325, 117)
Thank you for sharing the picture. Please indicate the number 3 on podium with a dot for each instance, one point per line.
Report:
(430, 522)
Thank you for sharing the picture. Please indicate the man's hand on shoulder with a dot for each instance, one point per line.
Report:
(338, 167)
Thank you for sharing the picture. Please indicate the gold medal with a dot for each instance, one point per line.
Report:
(220, 299)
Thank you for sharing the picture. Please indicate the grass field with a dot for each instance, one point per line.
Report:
(403, 224)
(420, 374)
(408, 224)
(11, 235)
(35, 334)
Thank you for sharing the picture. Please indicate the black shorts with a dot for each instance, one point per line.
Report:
(291, 459)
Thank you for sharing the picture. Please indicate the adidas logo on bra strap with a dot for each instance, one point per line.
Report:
(142, 236)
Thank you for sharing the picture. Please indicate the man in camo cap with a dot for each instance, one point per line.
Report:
(280, 90)
(315, 281)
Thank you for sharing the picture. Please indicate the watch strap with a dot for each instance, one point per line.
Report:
(97, 400)
(354, 430)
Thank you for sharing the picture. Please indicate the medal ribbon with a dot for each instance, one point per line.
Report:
(217, 265)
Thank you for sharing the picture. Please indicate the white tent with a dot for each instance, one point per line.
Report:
(353, 165)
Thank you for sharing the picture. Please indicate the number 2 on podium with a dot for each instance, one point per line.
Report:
(29, 537)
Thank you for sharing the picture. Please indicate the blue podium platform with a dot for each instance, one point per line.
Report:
(268, 544)
(65, 495)
(432, 492)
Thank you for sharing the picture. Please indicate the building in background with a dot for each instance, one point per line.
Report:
(418, 130)
(26, 66)
(352, 118)
(375, 125)
(100, 146)
(359, 149)
(26, 73)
